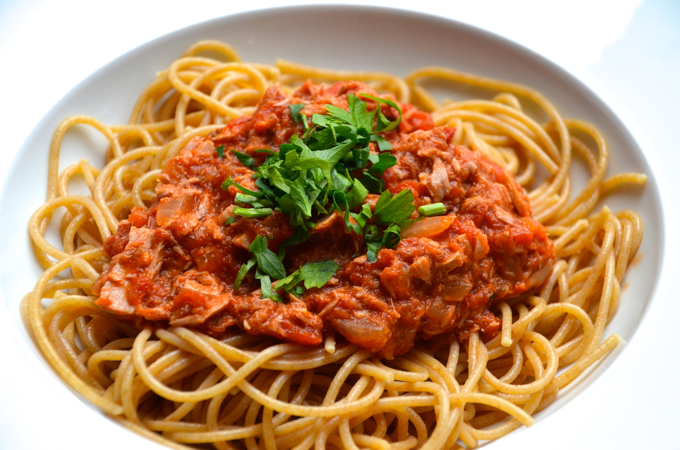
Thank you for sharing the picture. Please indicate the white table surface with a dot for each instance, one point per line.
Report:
(628, 51)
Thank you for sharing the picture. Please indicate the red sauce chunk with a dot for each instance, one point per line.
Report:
(175, 264)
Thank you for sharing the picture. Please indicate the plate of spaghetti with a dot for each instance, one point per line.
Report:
(254, 239)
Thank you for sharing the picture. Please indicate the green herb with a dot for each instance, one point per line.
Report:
(330, 167)
(295, 109)
(394, 212)
(252, 200)
(394, 209)
(391, 236)
(364, 216)
(313, 275)
(289, 283)
(357, 195)
(230, 220)
(229, 182)
(384, 124)
(245, 159)
(374, 184)
(267, 261)
(383, 144)
(389, 239)
(220, 151)
(252, 212)
(298, 116)
(434, 209)
(384, 162)
(316, 275)
(242, 273)
(372, 250)
(267, 289)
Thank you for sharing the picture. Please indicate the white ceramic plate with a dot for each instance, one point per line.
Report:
(350, 38)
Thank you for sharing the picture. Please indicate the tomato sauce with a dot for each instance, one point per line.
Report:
(175, 263)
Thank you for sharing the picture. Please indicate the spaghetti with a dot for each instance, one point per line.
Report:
(177, 386)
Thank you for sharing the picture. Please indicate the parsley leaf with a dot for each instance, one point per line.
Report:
(360, 156)
(384, 124)
(290, 282)
(334, 113)
(267, 261)
(390, 239)
(264, 188)
(361, 118)
(316, 275)
(295, 109)
(357, 195)
(242, 273)
(220, 151)
(392, 236)
(394, 209)
(298, 198)
(383, 144)
(374, 184)
(335, 154)
(245, 159)
(363, 217)
(229, 182)
(372, 250)
(278, 180)
(385, 161)
(339, 182)
(266, 288)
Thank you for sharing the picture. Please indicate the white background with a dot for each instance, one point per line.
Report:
(628, 51)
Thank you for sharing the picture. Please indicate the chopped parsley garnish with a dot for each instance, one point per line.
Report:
(295, 109)
(242, 273)
(389, 239)
(245, 159)
(220, 151)
(267, 261)
(313, 275)
(329, 168)
(252, 212)
(394, 208)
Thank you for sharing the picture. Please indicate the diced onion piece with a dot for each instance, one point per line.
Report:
(173, 207)
(429, 226)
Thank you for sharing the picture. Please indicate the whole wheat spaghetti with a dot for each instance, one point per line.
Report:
(180, 387)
